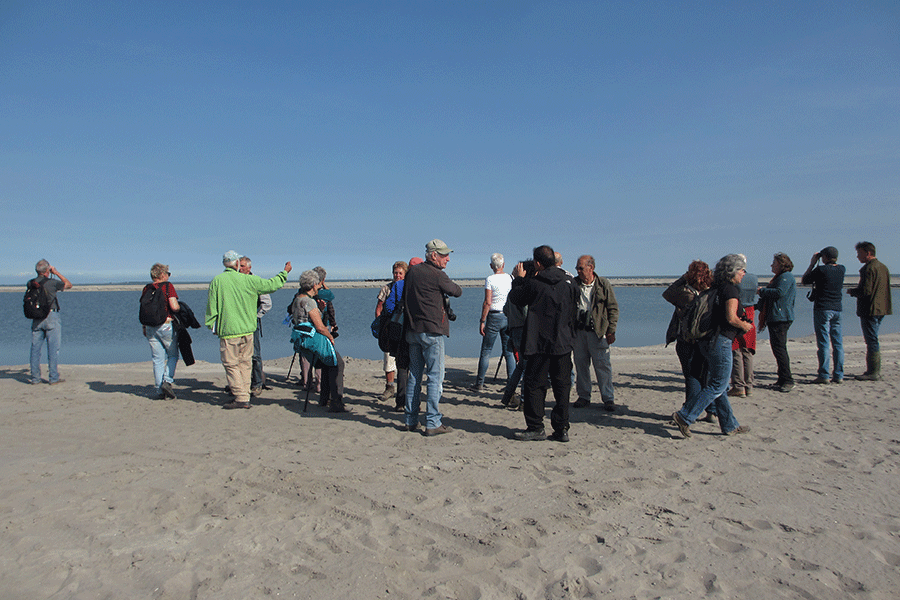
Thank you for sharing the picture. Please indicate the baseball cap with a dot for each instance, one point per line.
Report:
(437, 246)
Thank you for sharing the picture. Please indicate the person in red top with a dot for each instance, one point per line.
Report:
(163, 339)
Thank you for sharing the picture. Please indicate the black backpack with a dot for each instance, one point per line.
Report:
(154, 310)
(696, 322)
(37, 302)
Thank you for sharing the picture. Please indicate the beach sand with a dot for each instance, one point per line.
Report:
(105, 493)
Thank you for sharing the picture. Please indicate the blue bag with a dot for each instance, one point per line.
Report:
(312, 345)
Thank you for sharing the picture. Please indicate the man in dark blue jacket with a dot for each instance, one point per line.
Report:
(547, 343)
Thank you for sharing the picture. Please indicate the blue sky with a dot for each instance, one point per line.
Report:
(348, 134)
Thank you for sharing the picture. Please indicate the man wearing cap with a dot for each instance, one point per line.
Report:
(231, 310)
(827, 281)
(427, 324)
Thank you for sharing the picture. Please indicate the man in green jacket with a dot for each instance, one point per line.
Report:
(596, 317)
(231, 315)
(873, 302)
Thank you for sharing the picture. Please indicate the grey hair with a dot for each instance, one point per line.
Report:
(321, 273)
(308, 280)
(728, 266)
(41, 267)
(158, 270)
(496, 261)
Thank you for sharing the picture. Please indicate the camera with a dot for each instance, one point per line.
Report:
(450, 314)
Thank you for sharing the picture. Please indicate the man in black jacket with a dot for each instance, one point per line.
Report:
(547, 343)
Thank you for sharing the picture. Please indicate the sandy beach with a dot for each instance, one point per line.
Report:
(105, 493)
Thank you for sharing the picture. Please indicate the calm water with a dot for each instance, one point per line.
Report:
(102, 327)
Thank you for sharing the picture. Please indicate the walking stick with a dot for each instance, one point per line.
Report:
(291, 367)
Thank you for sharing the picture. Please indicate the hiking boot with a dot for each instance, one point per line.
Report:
(609, 406)
(682, 425)
(785, 387)
(477, 387)
(515, 403)
(581, 403)
(166, 388)
(413, 427)
(737, 430)
(820, 380)
(256, 391)
(530, 435)
(709, 418)
(559, 436)
(389, 392)
(234, 405)
(438, 430)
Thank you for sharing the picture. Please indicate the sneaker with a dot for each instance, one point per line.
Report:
(559, 436)
(837, 380)
(737, 393)
(476, 387)
(57, 381)
(709, 418)
(609, 406)
(233, 405)
(413, 427)
(515, 403)
(256, 391)
(682, 426)
(737, 430)
(581, 403)
(166, 389)
(786, 387)
(438, 430)
(530, 435)
(820, 380)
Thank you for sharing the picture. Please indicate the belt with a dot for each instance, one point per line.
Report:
(495, 311)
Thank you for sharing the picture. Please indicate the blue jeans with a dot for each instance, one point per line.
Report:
(870, 327)
(49, 329)
(426, 355)
(827, 324)
(717, 352)
(496, 323)
(164, 352)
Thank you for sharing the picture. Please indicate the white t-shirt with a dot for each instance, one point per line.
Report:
(500, 284)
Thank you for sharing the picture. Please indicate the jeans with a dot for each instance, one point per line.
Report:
(827, 324)
(496, 323)
(717, 352)
(512, 381)
(778, 341)
(869, 325)
(426, 356)
(164, 352)
(693, 367)
(592, 349)
(256, 373)
(557, 368)
(49, 329)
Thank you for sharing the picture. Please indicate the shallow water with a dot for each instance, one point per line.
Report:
(102, 327)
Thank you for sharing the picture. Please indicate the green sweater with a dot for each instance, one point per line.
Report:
(231, 302)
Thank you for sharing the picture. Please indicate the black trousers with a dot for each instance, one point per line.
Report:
(538, 368)
(778, 341)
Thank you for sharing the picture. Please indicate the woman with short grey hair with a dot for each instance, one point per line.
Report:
(716, 350)
(305, 309)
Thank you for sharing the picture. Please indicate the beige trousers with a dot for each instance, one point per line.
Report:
(237, 358)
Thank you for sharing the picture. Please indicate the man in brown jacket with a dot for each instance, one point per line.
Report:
(873, 302)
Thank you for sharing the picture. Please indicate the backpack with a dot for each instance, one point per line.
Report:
(696, 322)
(154, 310)
(37, 302)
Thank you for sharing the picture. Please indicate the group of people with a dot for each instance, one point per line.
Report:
(722, 362)
(544, 317)
(541, 314)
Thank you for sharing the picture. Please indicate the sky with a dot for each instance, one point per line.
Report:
(349, 134)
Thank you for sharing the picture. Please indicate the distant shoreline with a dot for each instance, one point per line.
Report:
(849, 281)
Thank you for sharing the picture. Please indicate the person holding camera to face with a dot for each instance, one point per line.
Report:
(547, 342)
